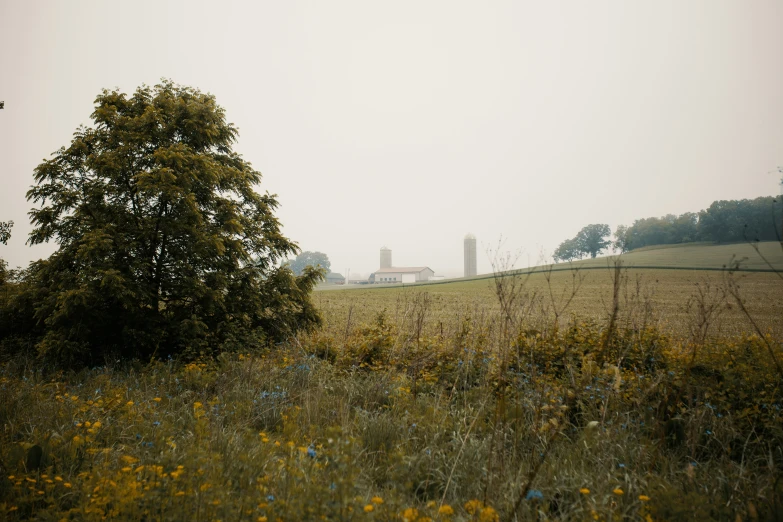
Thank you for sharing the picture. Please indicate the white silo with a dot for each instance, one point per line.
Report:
(470, 255)
(386, 258)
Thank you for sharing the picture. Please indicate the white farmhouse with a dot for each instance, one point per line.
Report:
(410, 274)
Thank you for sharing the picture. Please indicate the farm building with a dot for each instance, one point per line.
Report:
(333, 278)
(412, 274)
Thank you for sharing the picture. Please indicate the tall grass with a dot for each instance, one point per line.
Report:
(519, 411)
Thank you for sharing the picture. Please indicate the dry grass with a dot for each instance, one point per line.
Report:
(667, 291)
(524, 400)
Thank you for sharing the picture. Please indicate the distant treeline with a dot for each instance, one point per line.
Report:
(723, 222)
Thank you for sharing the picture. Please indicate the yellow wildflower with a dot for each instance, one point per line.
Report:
(197, 405)
(368, 508)
(179, 494)
(376, 500)
(472, 506)
(584, 491)
(96, 424)
(618, 491)
(261, 519)
(644, 498)
(129, 403)
(157, 399)
(445, 510)
(58, 479)
(126, 469)
(410, 514)
(67, 484)
(488, 514)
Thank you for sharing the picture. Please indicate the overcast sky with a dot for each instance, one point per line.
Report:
(410, 124)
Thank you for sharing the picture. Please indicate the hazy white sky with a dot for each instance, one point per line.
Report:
(412, 123)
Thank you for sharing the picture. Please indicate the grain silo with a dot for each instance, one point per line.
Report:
(386, 257)
(470, 255)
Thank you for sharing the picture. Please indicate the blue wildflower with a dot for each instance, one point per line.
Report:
(534, 494)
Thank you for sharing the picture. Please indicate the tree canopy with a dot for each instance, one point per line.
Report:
(307, 258)
(722, 222)
(164, 244)
(591, 240)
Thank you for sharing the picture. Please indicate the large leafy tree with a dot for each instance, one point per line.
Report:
(568, 250)
(593, 239)
(307, 258)
(164, 244)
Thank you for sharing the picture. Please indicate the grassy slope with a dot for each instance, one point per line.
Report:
(668, 290)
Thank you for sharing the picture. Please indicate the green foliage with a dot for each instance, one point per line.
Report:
(164, 245)
(5, 231)
(724, 221)
(305, 259)
(568, 250)
(283, 434)
(5, 235)
(621, 239)
(591, 240)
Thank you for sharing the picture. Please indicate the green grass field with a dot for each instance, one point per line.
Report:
(462, 401)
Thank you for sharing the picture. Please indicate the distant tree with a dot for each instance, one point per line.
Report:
(621, 239)
(568, 250)
(165, 247)
(305, 259)
(592, 239)
(5, 231)
(740, 220)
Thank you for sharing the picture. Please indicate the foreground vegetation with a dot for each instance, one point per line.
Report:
(515, 400)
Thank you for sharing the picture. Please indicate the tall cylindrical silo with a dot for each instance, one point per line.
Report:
(386, 258)
(470, 255)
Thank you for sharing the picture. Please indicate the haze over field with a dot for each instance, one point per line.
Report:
(409, 125)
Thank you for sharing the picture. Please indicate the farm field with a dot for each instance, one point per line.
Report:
(664, 291)
(452, 402)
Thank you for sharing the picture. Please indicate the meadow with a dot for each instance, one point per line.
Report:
(580, 394)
